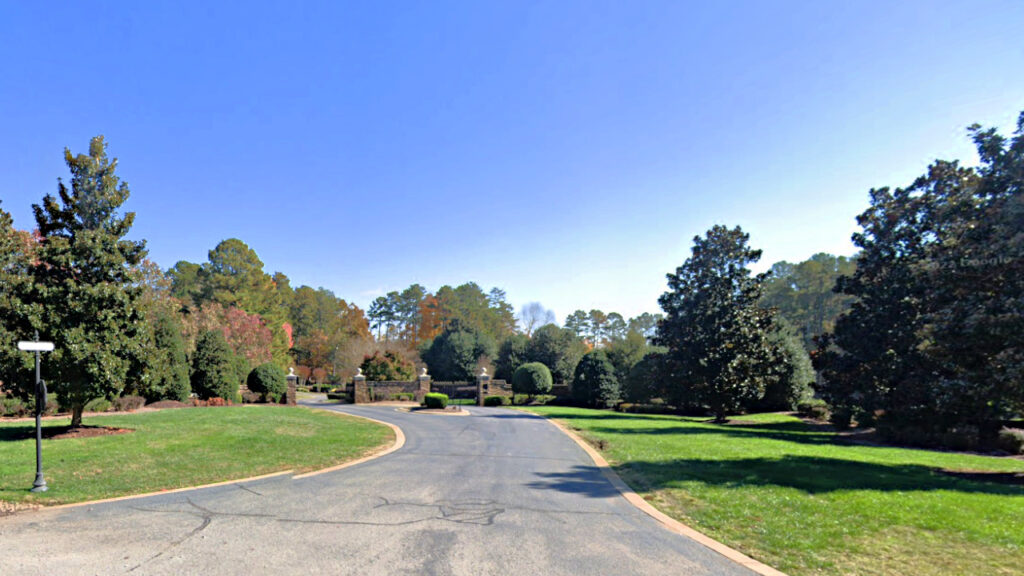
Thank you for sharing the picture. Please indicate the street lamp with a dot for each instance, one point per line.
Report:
(36, 346)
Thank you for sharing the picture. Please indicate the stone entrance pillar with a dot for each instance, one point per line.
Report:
(481, 385)
(360, 393)
(424, 381)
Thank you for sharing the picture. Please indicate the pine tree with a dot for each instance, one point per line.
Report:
(84, 281)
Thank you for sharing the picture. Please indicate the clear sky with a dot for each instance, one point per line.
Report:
(565, 151)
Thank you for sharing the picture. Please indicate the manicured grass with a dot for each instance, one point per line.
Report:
(179, 448)
(795, 498)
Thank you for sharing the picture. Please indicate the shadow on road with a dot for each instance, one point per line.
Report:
(584, 480)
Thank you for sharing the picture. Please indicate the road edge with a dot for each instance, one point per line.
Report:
(398, 443)
(669, 523)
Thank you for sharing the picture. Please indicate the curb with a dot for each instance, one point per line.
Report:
(670, 524)
(174, 491)
(399, 442)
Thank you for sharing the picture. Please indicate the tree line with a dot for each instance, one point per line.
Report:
(921, 335)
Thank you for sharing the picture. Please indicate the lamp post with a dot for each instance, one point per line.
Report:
(36, 346)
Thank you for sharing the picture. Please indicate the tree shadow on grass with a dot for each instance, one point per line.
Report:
(799, 432)
(15, 433)
(814, 475)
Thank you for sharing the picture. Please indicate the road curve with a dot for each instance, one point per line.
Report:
(497, 492)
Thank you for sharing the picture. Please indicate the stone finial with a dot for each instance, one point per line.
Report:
(291, 372)
(423, 372)
(483, 371)
(359, 371)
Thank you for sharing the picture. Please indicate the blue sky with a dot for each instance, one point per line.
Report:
(567, 152)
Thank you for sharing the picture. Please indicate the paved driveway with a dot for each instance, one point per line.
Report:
(497, 492)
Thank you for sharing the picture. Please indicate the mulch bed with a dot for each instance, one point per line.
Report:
(61, 432)
(1012, 478)
(168, 404)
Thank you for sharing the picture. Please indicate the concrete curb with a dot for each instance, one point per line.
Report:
(669, 523)
(399, 442)
(162, 492)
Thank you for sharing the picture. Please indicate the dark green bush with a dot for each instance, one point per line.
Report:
(594, 383)
(439, 401)
(532, 378)
(1011, 440)
(496, 401)
(267, 380)
(814, 408)
(403, 396)
(213, 367)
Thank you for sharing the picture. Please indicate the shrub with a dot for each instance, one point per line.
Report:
(213, 367)
(97, 405)
(1011, 440)
(594, 383)
(129, 403)
(250, 397)
(814, 408)
(403, 396)
(532, 378)
(12, 407)
(645, 408)
(439, 401)
(496, 401)
(268, 380)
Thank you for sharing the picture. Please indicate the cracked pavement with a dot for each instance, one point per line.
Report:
(498, 492)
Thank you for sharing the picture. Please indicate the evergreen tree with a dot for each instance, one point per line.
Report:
(935, 340)
(791, 374)
(456, 352)
(84, 281)
(511, 355)
(163, 369)
(557, 348)
(594, 382)
(715, 332)
(16, 314)
(214, 373)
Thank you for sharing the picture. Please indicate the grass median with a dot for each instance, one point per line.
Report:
(178, 448)
(798, 498)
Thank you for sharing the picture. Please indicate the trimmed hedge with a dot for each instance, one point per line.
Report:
(495, 401)
(268, 380)
(532, 378)
(439, 401)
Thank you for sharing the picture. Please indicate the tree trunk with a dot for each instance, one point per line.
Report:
(720, 417)
(76, 415)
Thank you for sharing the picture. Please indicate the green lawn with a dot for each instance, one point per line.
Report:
(795, 498)
(178, 448)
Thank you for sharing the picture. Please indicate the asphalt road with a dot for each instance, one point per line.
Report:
(496, 492)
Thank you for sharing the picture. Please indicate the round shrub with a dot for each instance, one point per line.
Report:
(268, 380)
(438, 401)
(532, 378)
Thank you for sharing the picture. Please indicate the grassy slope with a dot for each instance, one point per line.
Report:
(792, 497)
(178, 448)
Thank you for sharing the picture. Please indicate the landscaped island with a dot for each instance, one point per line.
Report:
(170, 449)
(802, 499)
